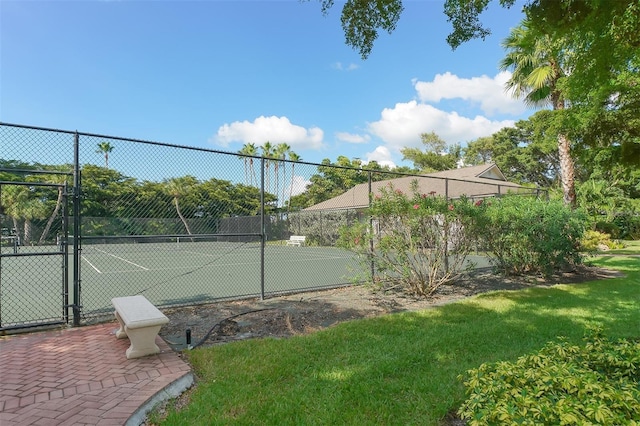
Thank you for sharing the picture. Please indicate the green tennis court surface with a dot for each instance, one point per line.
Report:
(167, 274)
(171, 273)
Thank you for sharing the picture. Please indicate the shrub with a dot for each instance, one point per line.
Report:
(629, 225)
(597, 383)
(418, 241)
(529, 235)
(593, 241)
(610, 228)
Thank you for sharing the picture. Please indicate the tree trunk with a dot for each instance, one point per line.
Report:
(186, 225)
(27, 232)
(566, 161)
(566, 171)
(45, 233)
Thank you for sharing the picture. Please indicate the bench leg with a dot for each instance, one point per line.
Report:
(143, 341)
(121, 332)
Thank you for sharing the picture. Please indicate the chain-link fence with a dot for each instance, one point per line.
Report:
(87, 217)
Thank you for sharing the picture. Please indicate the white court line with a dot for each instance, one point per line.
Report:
(91, 264)
(220, 264)
(124, 260)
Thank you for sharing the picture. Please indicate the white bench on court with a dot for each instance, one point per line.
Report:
(140, 321)
(296, 240)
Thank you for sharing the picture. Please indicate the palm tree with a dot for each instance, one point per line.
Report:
(105, 148)
(22, 204)
(178, 188)
(243, 156)
(294, 158)
(280, 153)
(247, 152)
(10, 198)
(253, 151)
(267, 153)
(536, 62)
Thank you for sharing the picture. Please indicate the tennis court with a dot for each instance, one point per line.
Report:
(170, 273)
(176, 272)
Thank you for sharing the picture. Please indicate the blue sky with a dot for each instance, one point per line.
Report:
(219, 74)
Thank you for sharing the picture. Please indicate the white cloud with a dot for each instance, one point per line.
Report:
(298, 185)
(273, 129)
(341, 67)
(382, 156)
(352, 138)
(402, 125)
(488, 92)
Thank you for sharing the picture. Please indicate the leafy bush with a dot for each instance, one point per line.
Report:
(529, 235)
(322, 228)
(610, 228)
(418, 241)
(628, 225)
(594, 241)
(598, 383)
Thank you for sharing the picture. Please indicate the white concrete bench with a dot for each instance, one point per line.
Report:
(140, 321)
(296, 240)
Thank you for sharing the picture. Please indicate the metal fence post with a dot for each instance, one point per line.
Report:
(263, 235)
(64, 248)
(373, 268)
(76, 230)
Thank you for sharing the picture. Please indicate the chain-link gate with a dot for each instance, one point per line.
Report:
(34, 254)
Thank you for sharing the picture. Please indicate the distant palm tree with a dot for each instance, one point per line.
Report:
(242, 155)
(267, 153)
(537, 67)
(294, 158)
(247, 152)
(280, 153)
(105, 148)
(253, 151)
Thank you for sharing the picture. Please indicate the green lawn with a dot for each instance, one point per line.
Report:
(399, 369)
(630, 247)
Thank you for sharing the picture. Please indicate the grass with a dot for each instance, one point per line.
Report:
(630, 247)
(401, 368)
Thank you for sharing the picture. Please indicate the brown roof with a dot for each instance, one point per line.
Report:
(475, 181)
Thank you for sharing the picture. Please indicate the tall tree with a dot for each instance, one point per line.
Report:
(280, 153)
(294, 159)
(437, 156)
(105, 148)
(603, 37)
(267, 153)
(537, 62)
(178, 188)
(249, 150)
(526, 153)
(60, 180)
(245, 152)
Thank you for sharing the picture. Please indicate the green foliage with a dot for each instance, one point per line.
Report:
(527, 235)
(361, 21)
(595, 240)
(526, 153)
(437, 156)
(597, 383)
(418, 241)
(322, 228)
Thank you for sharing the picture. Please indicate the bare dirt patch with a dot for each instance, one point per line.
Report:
(302, 313)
